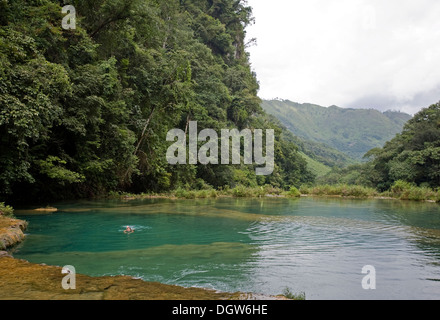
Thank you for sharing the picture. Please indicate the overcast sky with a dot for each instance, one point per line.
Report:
(382, 54)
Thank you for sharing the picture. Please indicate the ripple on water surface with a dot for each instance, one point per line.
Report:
(258, 245)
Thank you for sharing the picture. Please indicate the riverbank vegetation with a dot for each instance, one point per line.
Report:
(400, 191)
(288, 293)
(209, 192)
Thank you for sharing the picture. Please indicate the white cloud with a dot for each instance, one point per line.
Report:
(346, 52)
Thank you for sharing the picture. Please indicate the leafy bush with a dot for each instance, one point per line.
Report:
(186, 194)
(358, 191)
(5, 210)
(213, 193)
(294, 296)
(241, 191)
(401, 186)
(340, 190)
(408, 191)
(194, 194)
(293, 192)
(305, 190)
(268, 189)
(419, 194)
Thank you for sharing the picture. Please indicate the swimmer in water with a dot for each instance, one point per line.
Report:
(128, 230)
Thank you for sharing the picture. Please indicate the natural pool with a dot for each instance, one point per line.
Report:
(313, 245)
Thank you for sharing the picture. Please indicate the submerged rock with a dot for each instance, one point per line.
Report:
(22, 280)
(4, 254)
(47, 209)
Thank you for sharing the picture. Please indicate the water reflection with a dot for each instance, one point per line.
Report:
(318, 246)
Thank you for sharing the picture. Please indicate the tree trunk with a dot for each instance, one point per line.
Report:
(141, 139)
(143, 132)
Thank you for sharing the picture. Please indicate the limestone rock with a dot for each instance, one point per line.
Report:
(4, 254)
(22, 280)
(11, 232)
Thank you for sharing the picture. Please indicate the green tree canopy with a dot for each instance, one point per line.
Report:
(86, 111)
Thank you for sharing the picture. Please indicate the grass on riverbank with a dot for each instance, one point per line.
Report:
(406, 191)
(342, 190)
(294, 296)
(400, 190)
(238, 192)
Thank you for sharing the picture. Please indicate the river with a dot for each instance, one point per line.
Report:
(317, 246)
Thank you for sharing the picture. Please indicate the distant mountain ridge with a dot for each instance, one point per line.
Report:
(351, 131)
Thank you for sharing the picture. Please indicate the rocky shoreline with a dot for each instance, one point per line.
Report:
(22, 280)
(11, 233)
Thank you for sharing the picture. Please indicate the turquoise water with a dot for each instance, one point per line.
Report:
(315, 246)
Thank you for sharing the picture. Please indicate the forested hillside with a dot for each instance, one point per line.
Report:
(351, 131)
(86, 111)
(320, 158)
(411, 158)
